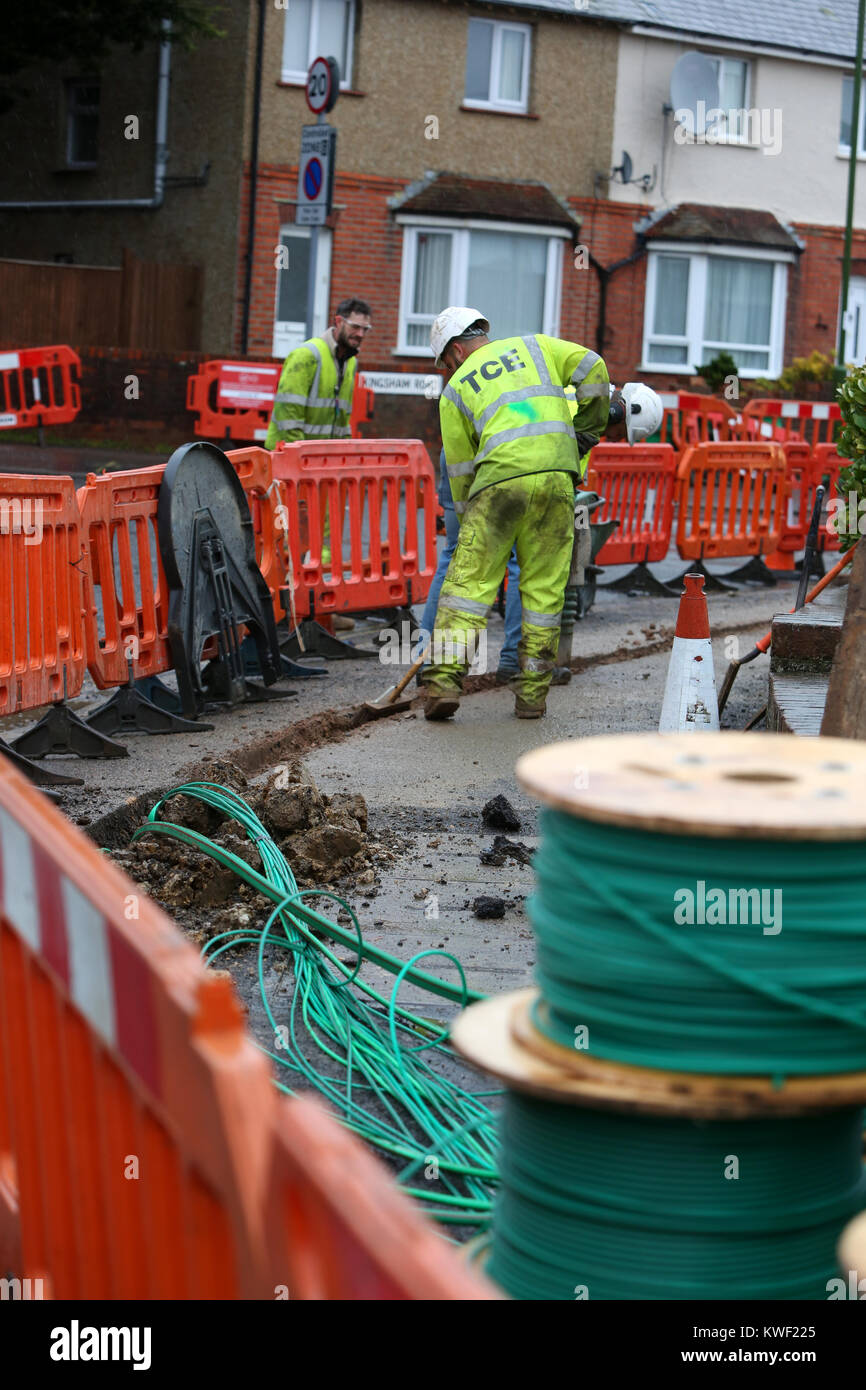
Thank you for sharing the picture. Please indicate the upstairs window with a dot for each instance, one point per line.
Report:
(847, 113)
(82, 124)
(734, 83)
(497, 65)
(318, 29)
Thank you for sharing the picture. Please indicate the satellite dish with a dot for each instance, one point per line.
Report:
(694, 91)
(625, 169)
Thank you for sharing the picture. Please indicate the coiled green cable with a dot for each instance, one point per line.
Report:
(717, 998)
(601, 1205)
(362, 1064)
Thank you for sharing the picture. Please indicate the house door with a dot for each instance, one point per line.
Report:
(855, 327)
(290, 328)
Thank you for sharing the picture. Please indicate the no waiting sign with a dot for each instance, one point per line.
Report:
(316, 174)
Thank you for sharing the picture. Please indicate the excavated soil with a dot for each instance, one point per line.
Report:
(324, 837)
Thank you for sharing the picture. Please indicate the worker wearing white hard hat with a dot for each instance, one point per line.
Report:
(513, 456)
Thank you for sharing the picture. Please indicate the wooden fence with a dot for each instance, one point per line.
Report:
(140, 304)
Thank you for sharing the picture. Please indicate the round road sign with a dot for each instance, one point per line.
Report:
(323, 85)
(313, 179)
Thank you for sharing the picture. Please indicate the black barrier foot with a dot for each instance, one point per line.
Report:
(640, 580)
(130, 712)
(222, 688)
(754, 571)
(713, 583)
(40, 775)
(317, 641)
(287, 666)
(62, 731)
(158, 693)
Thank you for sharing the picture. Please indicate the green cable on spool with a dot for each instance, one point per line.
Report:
(784, 995)
(600, 1205)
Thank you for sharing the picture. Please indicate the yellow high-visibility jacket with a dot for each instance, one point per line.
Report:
(312, 402)
(505, 412)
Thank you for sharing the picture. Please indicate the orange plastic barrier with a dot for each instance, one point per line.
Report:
(730, 500)
(42, 632)
(128, 1088)
(386, 489)
(638, 485)
(339, 1230)
(690, 418)
(144, 1151)
(38, 386)
(826, 465)
(813, 422)
(234, 400)
(799, 468)
(118, 521)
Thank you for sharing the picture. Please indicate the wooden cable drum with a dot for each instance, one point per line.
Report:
(700, 914)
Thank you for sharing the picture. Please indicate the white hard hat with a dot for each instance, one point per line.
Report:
(450, 324)
(643, 411)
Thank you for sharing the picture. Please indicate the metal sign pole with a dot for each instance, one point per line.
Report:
(314, 262)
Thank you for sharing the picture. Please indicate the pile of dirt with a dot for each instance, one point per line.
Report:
(325, 839)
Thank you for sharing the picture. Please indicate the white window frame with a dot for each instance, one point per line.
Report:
(461, 230)
(696, 345)
(282, 343)
(861, 140)
(498, 103)
(297, 75)
(73, 109)
(723, 137)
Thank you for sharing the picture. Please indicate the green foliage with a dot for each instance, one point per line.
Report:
(803, 371)
(852, 445)
(716, 372)
(82, 32)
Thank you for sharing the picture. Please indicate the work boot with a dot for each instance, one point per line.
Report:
(561, 675)
(441, 706)
(504, 674)
(524, 710)
(342, 624)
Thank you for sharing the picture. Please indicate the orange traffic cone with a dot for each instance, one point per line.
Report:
(690, 693)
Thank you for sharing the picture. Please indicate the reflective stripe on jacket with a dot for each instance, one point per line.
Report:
(505, 412)
(310, 402)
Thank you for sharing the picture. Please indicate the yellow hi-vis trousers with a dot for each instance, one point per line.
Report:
(535, 513)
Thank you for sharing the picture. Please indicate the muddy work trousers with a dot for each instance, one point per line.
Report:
(536, 514)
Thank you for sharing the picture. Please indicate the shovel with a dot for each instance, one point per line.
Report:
(389, 703)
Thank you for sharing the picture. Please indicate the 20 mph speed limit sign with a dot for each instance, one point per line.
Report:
(323, 85)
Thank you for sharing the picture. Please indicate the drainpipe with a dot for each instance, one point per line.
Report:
(160, 157)
(254, 174)
(604, 273)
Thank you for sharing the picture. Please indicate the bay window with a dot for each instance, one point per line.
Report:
(510, 272)
(701, 302)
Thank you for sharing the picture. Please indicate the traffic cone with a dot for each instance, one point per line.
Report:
(690, 693)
